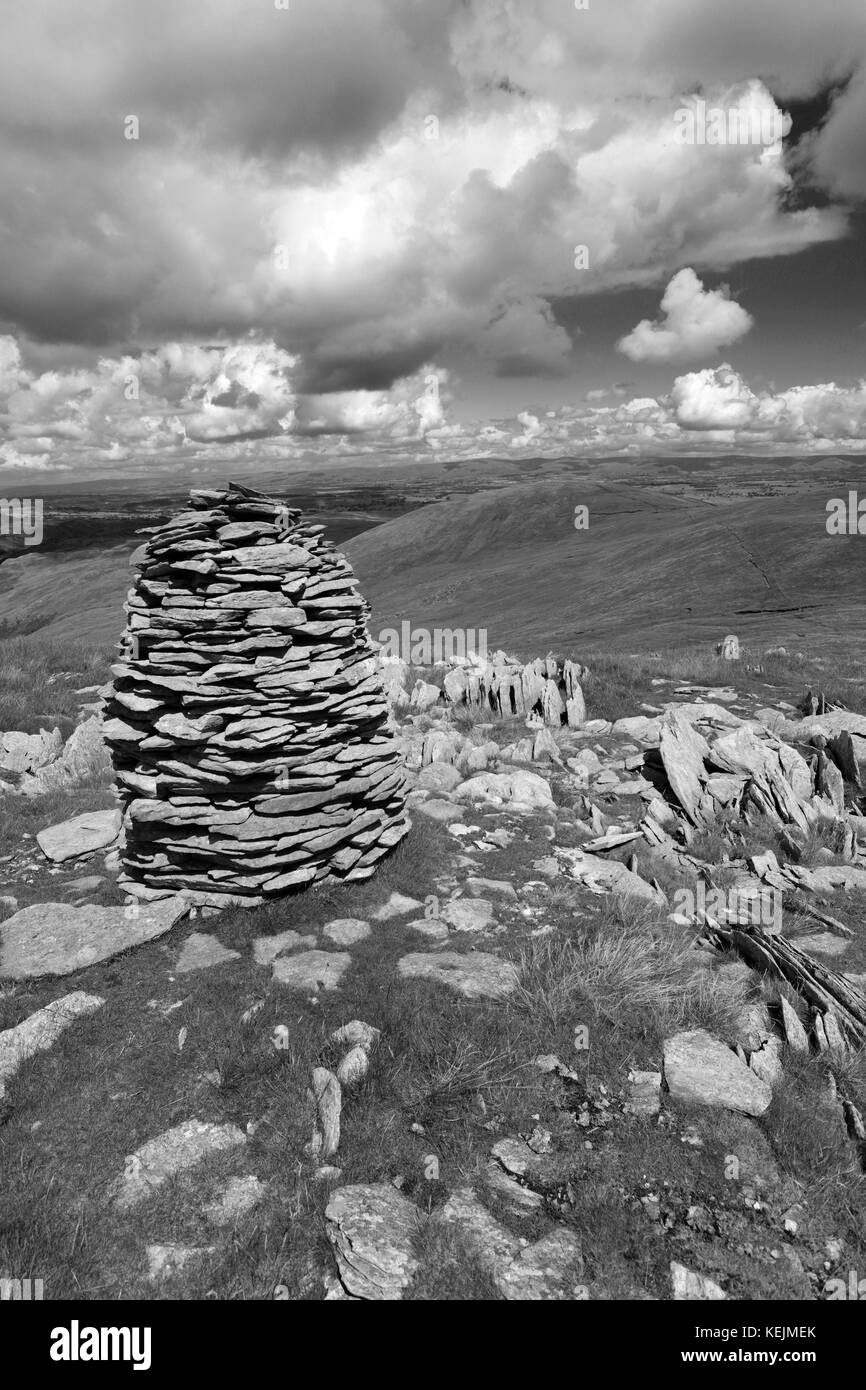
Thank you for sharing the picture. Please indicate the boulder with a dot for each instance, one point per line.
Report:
(701, 1070)
(518, 791)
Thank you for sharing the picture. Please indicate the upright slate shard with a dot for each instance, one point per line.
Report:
(247, 722)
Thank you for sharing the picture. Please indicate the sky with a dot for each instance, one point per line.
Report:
(254, 231)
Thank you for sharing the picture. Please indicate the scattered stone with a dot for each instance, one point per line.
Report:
(468, 914)
(607, 875)
(328, 1098)
(517, 1200)
(822, 943)
(172, 1152)
(700, 1070)
(167, 1261)
(312, 970)
(59, 938)
(354, 1066)
(41, 1030)
(357, 1034)
(501, 886)
(236, 1199)
(433, 928)
(442, 811)
(644, 1093)
(424, 696)
(688, 1285)
(766, 1061)
(267, 948)
(683, 750)
(22, 753)
(345, 931)
(82, 835)
(397, 906)
(88, 883)
(550, 1268)
(518, 791)
(795, 1034)
(372, 1229)
(439, 777)
(201, 952)
(475, 975)
(83, 757)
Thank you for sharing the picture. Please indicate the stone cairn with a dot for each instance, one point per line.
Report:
(247, 723)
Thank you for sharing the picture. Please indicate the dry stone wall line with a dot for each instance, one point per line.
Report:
(247, 722)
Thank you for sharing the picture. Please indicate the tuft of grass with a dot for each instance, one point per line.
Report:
(629, 965)
(38, 681)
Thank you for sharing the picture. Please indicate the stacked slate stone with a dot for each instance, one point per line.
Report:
(247, 722)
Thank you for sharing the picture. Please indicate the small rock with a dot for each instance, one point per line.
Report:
(688, 1285)
(236, 1199)
(329, 1100)
(373, 1229)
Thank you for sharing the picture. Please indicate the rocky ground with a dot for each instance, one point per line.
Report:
(532, 1058)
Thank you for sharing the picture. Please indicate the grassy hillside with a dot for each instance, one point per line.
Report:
(652, 570)
(672, 555)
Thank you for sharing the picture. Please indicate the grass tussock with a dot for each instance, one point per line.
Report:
(629, 964)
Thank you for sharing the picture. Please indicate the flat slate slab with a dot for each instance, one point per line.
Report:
(82, 835)
(201, 951)
(59, 938)
(312, 970)
(475, 975)
(267, 948)
(41, 1031)
(345, 931)
(169, 1153)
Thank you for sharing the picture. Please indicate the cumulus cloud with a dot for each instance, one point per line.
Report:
(696, 323)
(285, 179)
(351, 196)
(182, 401)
